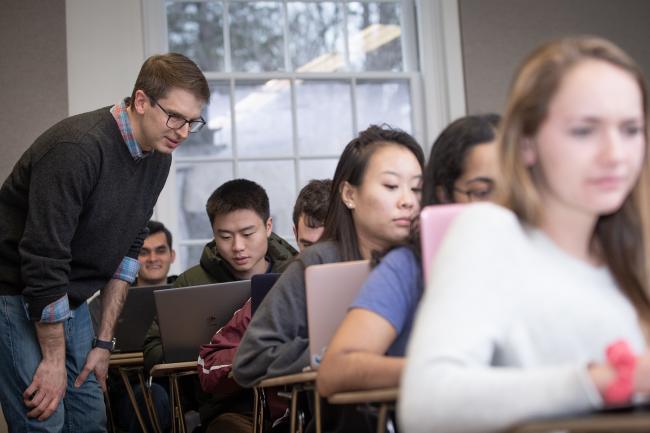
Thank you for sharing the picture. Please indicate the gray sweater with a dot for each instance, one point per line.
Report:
(276, 341)
(74, 205)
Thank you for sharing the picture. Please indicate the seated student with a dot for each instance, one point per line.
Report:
(309, 212)
(243, 245)
(368, 349)
(156, 256)
(215, 358)
(525, 300)
(375, 197)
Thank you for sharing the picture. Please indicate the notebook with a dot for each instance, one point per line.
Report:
(434, 222)
(330, 289)
(189, 316)
(134, 321)
(260, 286)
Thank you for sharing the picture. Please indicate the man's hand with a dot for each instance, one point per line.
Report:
(49, 383)
(97, 361)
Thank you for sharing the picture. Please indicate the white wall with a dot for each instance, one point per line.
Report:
(105, 50)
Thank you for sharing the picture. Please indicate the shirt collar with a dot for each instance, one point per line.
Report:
(119, 112)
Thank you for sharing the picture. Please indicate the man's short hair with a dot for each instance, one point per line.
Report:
(157, 227)
(238, 194)
(313, 201)
(160, 73)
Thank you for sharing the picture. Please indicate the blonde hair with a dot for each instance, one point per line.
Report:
(623, 237)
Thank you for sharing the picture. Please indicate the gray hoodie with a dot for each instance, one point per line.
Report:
(276, 342)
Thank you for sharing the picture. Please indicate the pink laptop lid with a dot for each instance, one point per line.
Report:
(330, 289)
(434, 222)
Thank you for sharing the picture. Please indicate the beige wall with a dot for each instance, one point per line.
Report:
(33, 81)
(498, 34)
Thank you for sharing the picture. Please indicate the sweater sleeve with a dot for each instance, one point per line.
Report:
(276, 342)
(60, 184)
(215, 359)
(450, 383)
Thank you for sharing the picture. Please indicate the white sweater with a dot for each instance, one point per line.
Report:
(506, 328)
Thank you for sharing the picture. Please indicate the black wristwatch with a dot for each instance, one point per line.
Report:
(108, 345)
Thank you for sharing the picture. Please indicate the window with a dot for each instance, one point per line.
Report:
(292, 82)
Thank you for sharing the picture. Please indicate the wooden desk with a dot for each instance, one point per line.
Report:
(298, 382)
(614, 422)
(126, 363)
(384, 397)
(174, 371)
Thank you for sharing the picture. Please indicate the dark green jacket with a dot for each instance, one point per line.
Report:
(212, 269)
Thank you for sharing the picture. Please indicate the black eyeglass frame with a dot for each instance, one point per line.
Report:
(194, 125)
(472, 194)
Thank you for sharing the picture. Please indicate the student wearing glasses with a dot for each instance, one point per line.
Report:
(537, 308)
(368, 349)
(74, 211)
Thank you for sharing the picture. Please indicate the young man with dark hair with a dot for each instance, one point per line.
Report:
(74, 211)
(308, 216)
(244, 245)
(309, 212)
(156, 256)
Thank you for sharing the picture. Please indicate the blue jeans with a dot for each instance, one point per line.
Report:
(82, 409)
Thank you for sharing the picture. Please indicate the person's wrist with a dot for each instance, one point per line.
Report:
(622, 360)
(108, 345)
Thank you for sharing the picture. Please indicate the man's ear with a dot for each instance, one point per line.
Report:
(269, 226)
(173, 255)
(528, 152)
(141, 99)
(348, 195)
(295, 233)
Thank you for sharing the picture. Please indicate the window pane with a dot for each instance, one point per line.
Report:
(316, 41)
(214, 139)
(196, 30)
(195, 183)
(189, 256)
(316, 169)
(256, 36)
(324, 116)
(374, 36)
(263, 118)
(278, 179)
(384, 102)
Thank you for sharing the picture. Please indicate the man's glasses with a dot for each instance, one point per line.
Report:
(174, 121)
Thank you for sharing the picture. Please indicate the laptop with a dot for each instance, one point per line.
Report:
(134, 321)
(434, 222)
(330, 289)
(189, 316)
(260, 286)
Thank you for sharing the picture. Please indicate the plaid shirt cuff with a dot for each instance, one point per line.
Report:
(128, 270)
(57, 311)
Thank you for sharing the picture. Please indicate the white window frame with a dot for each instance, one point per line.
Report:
(437, 89)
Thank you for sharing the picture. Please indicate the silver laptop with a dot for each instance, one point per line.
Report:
(189, 316)
(134, 321)
(330, 289)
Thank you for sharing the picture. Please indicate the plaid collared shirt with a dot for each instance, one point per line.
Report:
(121, 117)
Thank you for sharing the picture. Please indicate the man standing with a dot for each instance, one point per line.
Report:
(74, 211)
(156, 256)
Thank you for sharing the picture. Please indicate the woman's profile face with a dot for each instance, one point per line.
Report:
(480, 168)
(388, 198)
(588, 152)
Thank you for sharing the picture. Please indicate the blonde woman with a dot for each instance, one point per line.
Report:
(525, 300)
